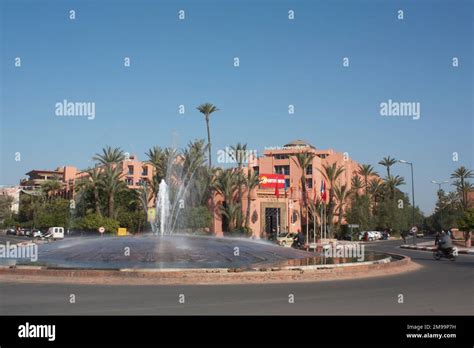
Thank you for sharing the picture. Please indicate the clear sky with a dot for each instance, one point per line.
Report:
(282, 62)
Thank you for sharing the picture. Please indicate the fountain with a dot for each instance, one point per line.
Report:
(163, 209)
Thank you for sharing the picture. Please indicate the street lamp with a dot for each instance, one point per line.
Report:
(439, 183)
(412, 193)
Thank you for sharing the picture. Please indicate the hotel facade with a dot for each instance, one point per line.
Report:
(275, 211)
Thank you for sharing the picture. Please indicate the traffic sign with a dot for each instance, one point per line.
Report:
(101, 229)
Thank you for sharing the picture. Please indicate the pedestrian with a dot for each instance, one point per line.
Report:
(404, 237)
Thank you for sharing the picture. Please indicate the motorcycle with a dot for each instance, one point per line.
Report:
(440, 253)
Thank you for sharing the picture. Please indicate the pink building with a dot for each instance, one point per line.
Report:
(134, 172)
(269, 213)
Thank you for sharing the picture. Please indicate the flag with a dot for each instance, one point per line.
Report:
(323, 191)
(277, 193)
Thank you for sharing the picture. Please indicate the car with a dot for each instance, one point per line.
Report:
(286, 239)
(55, 233)
(22, 232)
(371, 235)
(36, 233)
(11, 231)
(420, 234)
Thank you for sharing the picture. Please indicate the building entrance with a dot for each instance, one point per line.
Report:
(272, 222)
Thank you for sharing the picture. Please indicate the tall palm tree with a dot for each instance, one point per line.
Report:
(112, 184)
(207, 109)
(303, 160)
(388, 162)
(366, 170)
(251, 181)
(331, 173)
(238, 155)
(109, 155)
(342, 194)
(462, 174)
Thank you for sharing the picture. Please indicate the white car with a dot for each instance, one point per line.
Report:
(370, 234)
(378, 235)
(55, 233)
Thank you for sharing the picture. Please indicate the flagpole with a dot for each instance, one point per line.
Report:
(321, 215)
(314, 229)
(307, 227)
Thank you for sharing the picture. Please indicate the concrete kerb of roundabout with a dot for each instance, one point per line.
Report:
(391, 265)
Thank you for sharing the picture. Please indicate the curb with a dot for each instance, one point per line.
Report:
(398, 264)
(416, 247)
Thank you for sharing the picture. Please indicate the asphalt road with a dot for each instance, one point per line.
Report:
(440, 287)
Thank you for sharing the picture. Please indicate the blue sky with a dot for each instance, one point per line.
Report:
(282, 62)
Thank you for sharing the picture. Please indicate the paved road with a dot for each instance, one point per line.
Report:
(440, 287)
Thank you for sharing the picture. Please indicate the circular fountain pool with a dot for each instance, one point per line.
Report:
(177, 252)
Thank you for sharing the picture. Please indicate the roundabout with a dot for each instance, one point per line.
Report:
(183, 259)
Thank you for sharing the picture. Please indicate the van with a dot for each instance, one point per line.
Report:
(55, 233)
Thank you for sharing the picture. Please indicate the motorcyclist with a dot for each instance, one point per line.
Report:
(298, 240)
(445, 244)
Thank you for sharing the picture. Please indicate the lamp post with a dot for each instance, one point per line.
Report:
(440, 183)
(412, 194)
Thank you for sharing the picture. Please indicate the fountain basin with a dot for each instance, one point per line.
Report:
(176, 252)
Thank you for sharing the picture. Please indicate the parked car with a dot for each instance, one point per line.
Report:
(55, 233)
(11, 231)
(36, 233)
(371, 235)
(286, 239)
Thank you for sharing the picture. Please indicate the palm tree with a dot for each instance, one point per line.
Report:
(237, 155)
(207, 109)
(251, 182)
(366, 170)
(375, 187)
(93, 182)
(194, 157)
(356, 185)
(392, 182)
(226, 183)
(331, 173)
(303, 160)
(342, 194)
(112, 184)
(50, 188)
(109, 155)
(388, 162)
(156, 157)
(462, 174)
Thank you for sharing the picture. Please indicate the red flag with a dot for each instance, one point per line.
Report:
(323, 191)
(277, 193)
